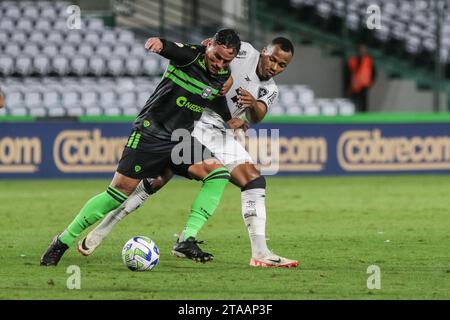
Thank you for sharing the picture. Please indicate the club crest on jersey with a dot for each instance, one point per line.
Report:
(262, 92)
(206, 92)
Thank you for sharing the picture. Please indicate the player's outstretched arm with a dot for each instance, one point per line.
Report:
(179, 53)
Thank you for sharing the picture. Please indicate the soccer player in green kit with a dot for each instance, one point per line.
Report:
(195, 77)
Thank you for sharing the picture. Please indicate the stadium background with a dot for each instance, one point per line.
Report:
(71, 95)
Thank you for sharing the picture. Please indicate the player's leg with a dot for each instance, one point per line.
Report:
(93, 210)
(135, 164)
(253, 195)
(143, 191)
(214, 177)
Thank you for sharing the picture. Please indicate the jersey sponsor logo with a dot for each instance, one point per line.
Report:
(368, 150)
(179, 44)
(183, 102)
(20, 154)
(83, 151)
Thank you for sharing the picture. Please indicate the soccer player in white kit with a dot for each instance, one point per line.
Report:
(252, 93)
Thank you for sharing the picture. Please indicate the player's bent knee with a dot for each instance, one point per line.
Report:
(124, 184)
(258, 183)
(243, 174)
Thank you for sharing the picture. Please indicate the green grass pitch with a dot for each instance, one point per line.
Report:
(337, 226)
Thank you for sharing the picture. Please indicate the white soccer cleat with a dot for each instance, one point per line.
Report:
(88, 245)
(273, 260)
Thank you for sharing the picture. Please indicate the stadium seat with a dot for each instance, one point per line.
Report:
(31, 49)
(125, 36)
(115, 66)
(121, 50)
(97, 65)
(107, 99)
(51, 99)
(43, 25)
(69, 50)
(70, 99)
(56, 38)
(133, 66)
(42, 65)
(127, 100)
(60, 65)
(24, 25)
(151, 67)
(92, 37)
(30, 12)
(32, 99)
(19, 37)
(109, 37)
(79, 65)
(50, 50)
(103, 50)
(24, 65)
(89, 99)
(37, 37)
(14, 99)
(6, 65)
(7, 24)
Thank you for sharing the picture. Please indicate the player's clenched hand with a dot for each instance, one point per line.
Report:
(246, 99)
(237, 123)
(206, 42)
(154, 45)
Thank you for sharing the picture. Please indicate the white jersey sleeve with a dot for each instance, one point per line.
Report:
(268, 93)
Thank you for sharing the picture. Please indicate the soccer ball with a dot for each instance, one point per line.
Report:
(140, 254)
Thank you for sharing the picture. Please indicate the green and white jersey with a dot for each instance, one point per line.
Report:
(187, 87)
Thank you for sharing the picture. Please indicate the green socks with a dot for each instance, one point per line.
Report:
(206, 202)
(93, 210)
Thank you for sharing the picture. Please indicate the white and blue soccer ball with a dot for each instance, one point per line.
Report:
(140, 254)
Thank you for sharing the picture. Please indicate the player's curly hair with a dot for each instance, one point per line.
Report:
(228, 38)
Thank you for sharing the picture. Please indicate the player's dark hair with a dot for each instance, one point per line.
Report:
(284, 43)
(228, 38)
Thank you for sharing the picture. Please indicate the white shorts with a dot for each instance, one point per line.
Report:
(222, 144)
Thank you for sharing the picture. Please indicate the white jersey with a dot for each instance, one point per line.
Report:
(243, 71)
(210, 130)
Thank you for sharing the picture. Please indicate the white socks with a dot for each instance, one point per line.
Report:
(254, 214)
(134, 201)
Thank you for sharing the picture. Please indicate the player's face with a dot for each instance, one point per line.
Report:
(218, 57)
(273, 61)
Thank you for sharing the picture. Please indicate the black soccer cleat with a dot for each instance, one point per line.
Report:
(190, 249)
(54, 253)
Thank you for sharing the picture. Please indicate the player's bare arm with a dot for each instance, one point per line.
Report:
(255, 110)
